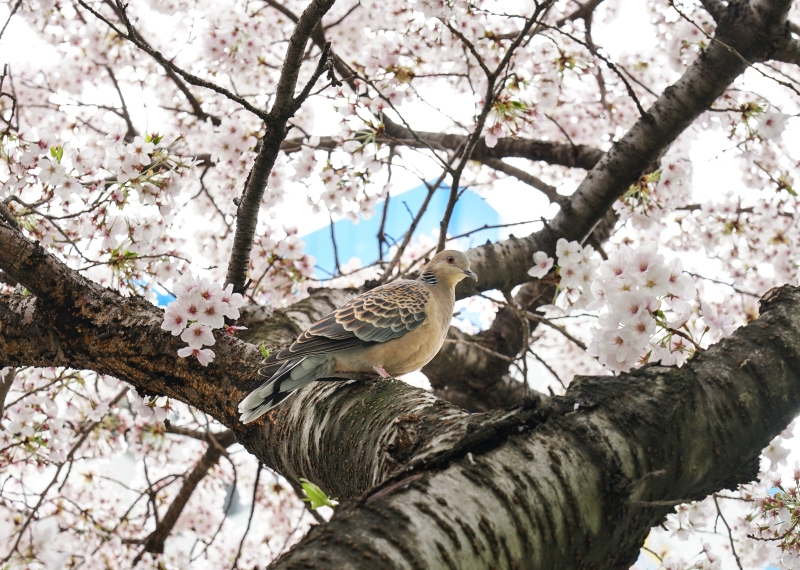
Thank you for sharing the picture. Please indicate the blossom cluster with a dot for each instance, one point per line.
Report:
(643, 295)
(200, 306)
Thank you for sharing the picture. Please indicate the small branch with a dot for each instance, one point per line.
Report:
(612, 66)
(155, 542)
(529, 179)
(223, 438)
(655, 504)
(482, 348)
(68, 461)
(730, 534)
(10, 15)
(283, 108)
(740, 291)
(133, 37)
(552, 325)
(407, 238)
(335, 248)
(249, 518)
(549, 368)
(131, 133)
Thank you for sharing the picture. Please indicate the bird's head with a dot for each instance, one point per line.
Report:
(449, 267)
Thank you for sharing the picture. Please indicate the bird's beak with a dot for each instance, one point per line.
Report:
(471, 274)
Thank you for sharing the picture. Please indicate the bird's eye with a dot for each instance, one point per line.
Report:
(450, 259)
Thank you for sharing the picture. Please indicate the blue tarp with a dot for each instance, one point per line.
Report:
(359, 240)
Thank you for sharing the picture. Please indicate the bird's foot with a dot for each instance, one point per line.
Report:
(381, 372)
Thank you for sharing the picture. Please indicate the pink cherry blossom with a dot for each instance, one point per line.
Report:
(196, 335)
(204, 355)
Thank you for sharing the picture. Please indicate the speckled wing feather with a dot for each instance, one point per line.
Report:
(385, 313)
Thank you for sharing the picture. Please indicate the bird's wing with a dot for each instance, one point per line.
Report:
(385, 313)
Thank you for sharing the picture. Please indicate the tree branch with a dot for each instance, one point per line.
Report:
(155, 541)
(578, 156)
(284, 106)
(567, 486)
(504, 265)
(527, 178)
(133, 37)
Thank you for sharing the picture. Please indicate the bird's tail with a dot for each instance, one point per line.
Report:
(292, 375)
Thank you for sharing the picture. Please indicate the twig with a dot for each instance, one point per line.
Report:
(740, 291)
(10, 15)
(407, 238)
(611, 66)
(489, 99)
(249, 518)
(479, 346)
(552, 325)
(549, 368)
(335, 249)
(730, 534)
(155, 542)
(131, 132)
(133, 37)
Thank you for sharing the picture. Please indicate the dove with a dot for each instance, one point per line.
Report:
(389, 331)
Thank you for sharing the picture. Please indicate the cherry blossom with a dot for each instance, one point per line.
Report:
(110, 165)
(542, 265)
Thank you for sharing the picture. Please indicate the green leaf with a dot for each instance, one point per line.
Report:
(57, 152)
(315, 495)
(264, 351)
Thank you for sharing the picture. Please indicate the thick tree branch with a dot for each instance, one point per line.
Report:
(284, 106)
(789, 51)
(71, 321)
(578, 156)
(580, 483)
(745, 35)
(714, 7)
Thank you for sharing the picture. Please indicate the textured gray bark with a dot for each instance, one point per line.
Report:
(555, 487)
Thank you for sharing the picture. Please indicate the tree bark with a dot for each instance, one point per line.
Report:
(574, 484)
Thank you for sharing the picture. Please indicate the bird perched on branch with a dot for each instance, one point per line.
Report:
(391, 330)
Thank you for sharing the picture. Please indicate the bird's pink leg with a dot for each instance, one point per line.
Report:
(381, 372)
